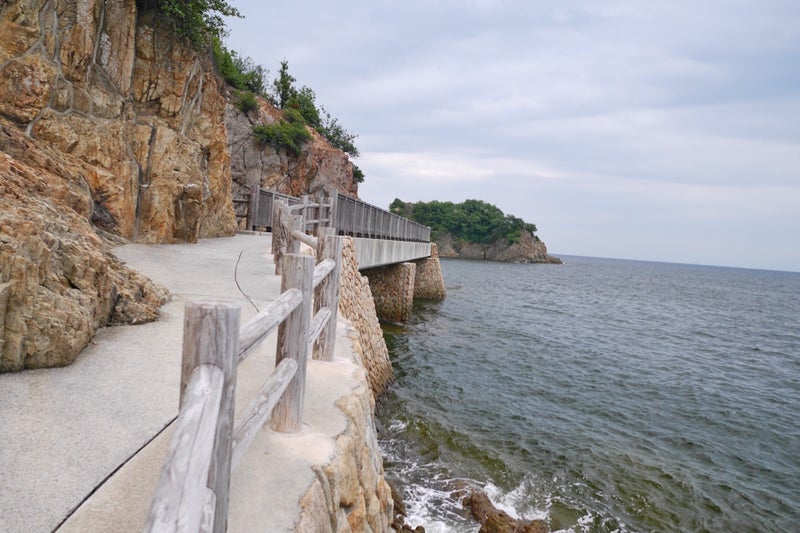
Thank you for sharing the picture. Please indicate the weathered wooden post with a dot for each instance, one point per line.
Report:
(304, 211)
(295, 222)
(333, 202)
(211, 337)
(298, 273)
(280, 232)
(322, 213)
(327, 292)
(252, 208)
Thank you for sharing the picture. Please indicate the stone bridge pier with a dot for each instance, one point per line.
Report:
(395, 286)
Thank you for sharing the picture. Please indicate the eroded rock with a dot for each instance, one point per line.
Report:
(493, 520)
(59, 282)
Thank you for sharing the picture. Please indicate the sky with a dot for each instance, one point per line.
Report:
(660, 130)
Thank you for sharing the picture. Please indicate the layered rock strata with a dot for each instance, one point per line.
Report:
(58, 281)
(118, 91)
(109, 125)
(318, 167)
(350, 493)
(129, 128)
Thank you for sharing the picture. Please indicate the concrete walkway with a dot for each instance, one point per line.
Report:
(64, 432)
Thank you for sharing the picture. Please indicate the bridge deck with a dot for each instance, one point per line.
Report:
(377, 252)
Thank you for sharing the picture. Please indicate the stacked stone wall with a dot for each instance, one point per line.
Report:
(356, 305)
(350, 494)
(429, 282)
(393, 290)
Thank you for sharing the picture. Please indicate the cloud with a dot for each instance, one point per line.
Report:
(662, 126)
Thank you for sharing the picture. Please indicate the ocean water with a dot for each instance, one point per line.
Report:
(601, 395)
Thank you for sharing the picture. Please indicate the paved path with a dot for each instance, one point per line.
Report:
(64, 431)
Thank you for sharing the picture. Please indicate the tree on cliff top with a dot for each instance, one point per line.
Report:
(287, 96)
(471, 220)
(198, 21)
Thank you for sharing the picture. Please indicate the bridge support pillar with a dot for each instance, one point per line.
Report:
(428, 282)
(392, 289)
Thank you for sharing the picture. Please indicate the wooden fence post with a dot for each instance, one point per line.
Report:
(327, 293)
(298, 273)
(319, 198)
(252, 208)
(295, 222)
(280, 232)
(211, 336)
(333, 201)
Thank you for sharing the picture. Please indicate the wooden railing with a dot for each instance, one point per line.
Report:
(348, 216)
(192, 492)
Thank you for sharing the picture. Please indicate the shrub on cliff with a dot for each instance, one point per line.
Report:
(304, 100)
(289, 133)
(239, 72)
(197, 21)
(245, 101)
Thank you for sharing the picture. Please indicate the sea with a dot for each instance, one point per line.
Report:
(601, 396)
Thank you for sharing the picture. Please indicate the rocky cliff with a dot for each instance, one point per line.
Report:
(112, 129)
(528, 249)
(318, 167)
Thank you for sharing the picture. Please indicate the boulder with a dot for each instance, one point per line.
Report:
(58, 280)
(493, 520)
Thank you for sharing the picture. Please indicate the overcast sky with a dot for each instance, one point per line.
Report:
(661, 130)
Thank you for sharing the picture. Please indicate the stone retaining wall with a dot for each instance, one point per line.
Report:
(349, 493)
(356, 305)
(393, 290)
(429, 282)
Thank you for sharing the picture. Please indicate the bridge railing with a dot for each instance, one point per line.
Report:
(192, 492)
(347, 215)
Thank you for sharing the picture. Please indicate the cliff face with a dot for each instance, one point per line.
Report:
(528, 249)
(111, 126)
(318, 167)
(140, 113)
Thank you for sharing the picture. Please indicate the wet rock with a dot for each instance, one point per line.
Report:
(399, 522)
(493, 520)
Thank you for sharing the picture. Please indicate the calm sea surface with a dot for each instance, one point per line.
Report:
(602, 395)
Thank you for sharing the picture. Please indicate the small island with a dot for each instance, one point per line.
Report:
(474, 229)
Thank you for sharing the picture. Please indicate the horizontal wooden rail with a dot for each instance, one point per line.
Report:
(192, 494)
(182, 487)
(266, 321)
(260, 409)
(322, 269)
(304, 238)
(319, 321)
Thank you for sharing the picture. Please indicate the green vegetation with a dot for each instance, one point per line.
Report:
(290, 133)
(358, 175)
(338, 137)
(245, 101)
(303, 102)
(239, 72)
(197, 21)
(201, 23)
(472, 220)
(283, 85)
